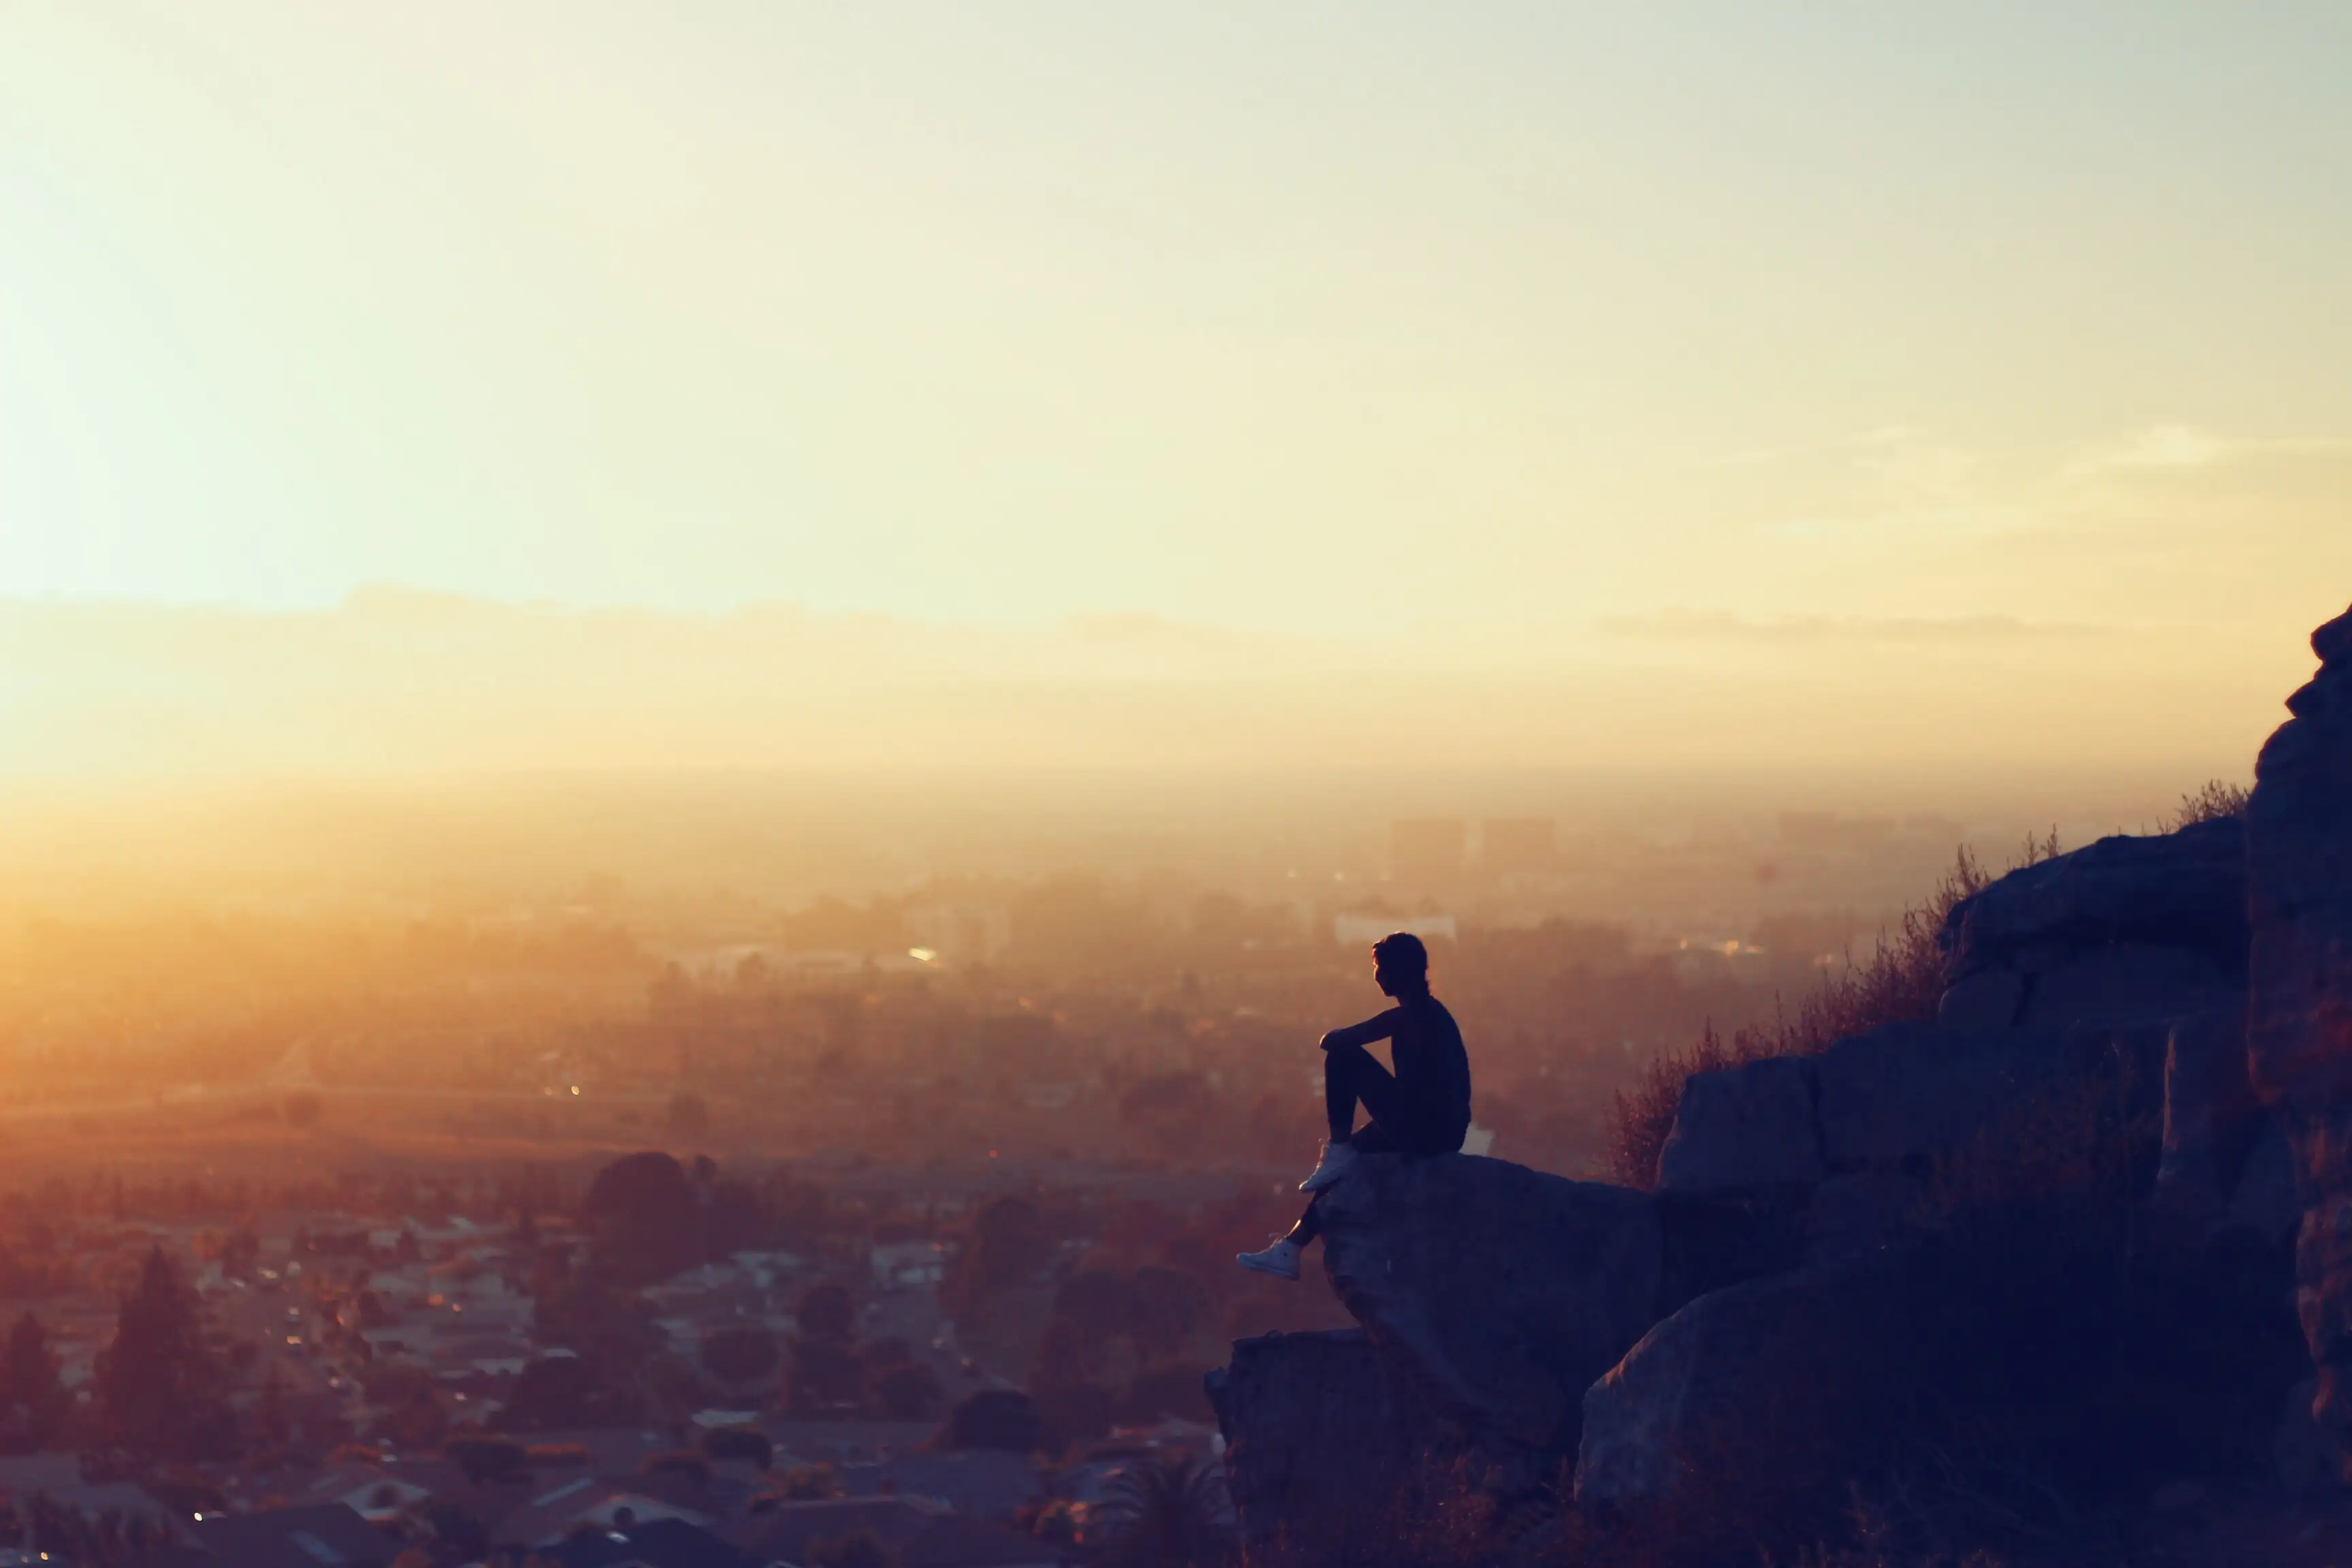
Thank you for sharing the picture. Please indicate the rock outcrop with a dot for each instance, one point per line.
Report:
(1769, 1387)
(1750, 1128)
(2060, 1209)
(2299, 900)
(1317, 1441)
(2121, 966)
(1758, 1405)
(1495, 1295)
(2145, 924)
(1491, 1297)
(2096, 994)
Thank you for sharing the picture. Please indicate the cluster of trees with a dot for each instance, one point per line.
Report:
(1008, 1248)
(1114, 1352)
(34, 1404)
(833, 1375)
(650, 1218)
(654, 1217)
(161, 1391)
(827, 1370)
(1128, 1332)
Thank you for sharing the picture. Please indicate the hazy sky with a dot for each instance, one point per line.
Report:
(1519, 323)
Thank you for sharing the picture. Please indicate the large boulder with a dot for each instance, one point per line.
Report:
(1896, 1099)
(1495, 1295)
(1746, 1129)
(2264, 1203)
(1774, 1389)
(1490, 1297)
(1316, 1440)
(2299, 1019)
(1902, 1095)
(2210, 1118)
(2184, 891)
(2036, 1328)
(2299, 892)
(2129, 928)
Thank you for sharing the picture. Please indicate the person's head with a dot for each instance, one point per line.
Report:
(1400, 964)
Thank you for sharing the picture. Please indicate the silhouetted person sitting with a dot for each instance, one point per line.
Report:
(1423, 1108)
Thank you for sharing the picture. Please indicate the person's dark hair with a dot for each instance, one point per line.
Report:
(1402, 952)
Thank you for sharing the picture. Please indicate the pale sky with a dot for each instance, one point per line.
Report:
(1531, 326)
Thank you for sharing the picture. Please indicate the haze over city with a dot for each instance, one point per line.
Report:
(702, 709)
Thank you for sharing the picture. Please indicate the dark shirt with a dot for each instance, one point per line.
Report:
(1433, 1071)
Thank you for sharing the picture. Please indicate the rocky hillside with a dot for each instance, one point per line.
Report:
(2032, 1257)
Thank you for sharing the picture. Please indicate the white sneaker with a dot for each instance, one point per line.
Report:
(1281, 1259)
(1337, 1160)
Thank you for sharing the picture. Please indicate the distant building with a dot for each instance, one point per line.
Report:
(962, 933)
(1426, 851)
(1517, 843)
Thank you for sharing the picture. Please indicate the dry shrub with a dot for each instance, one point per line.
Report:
(1644, 1109)
(1900, 981)
(2217, 799)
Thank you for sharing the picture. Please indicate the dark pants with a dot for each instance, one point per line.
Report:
(1353, 1076)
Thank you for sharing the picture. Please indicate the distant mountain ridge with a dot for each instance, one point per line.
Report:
(406, 681)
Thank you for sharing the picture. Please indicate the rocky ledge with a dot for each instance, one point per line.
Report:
(2062, 1210)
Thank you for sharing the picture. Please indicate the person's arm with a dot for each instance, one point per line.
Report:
(1364, 1033)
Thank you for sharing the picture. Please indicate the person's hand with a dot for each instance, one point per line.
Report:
(1328, 1040)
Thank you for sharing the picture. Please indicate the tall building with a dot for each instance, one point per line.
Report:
(1509, 844)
